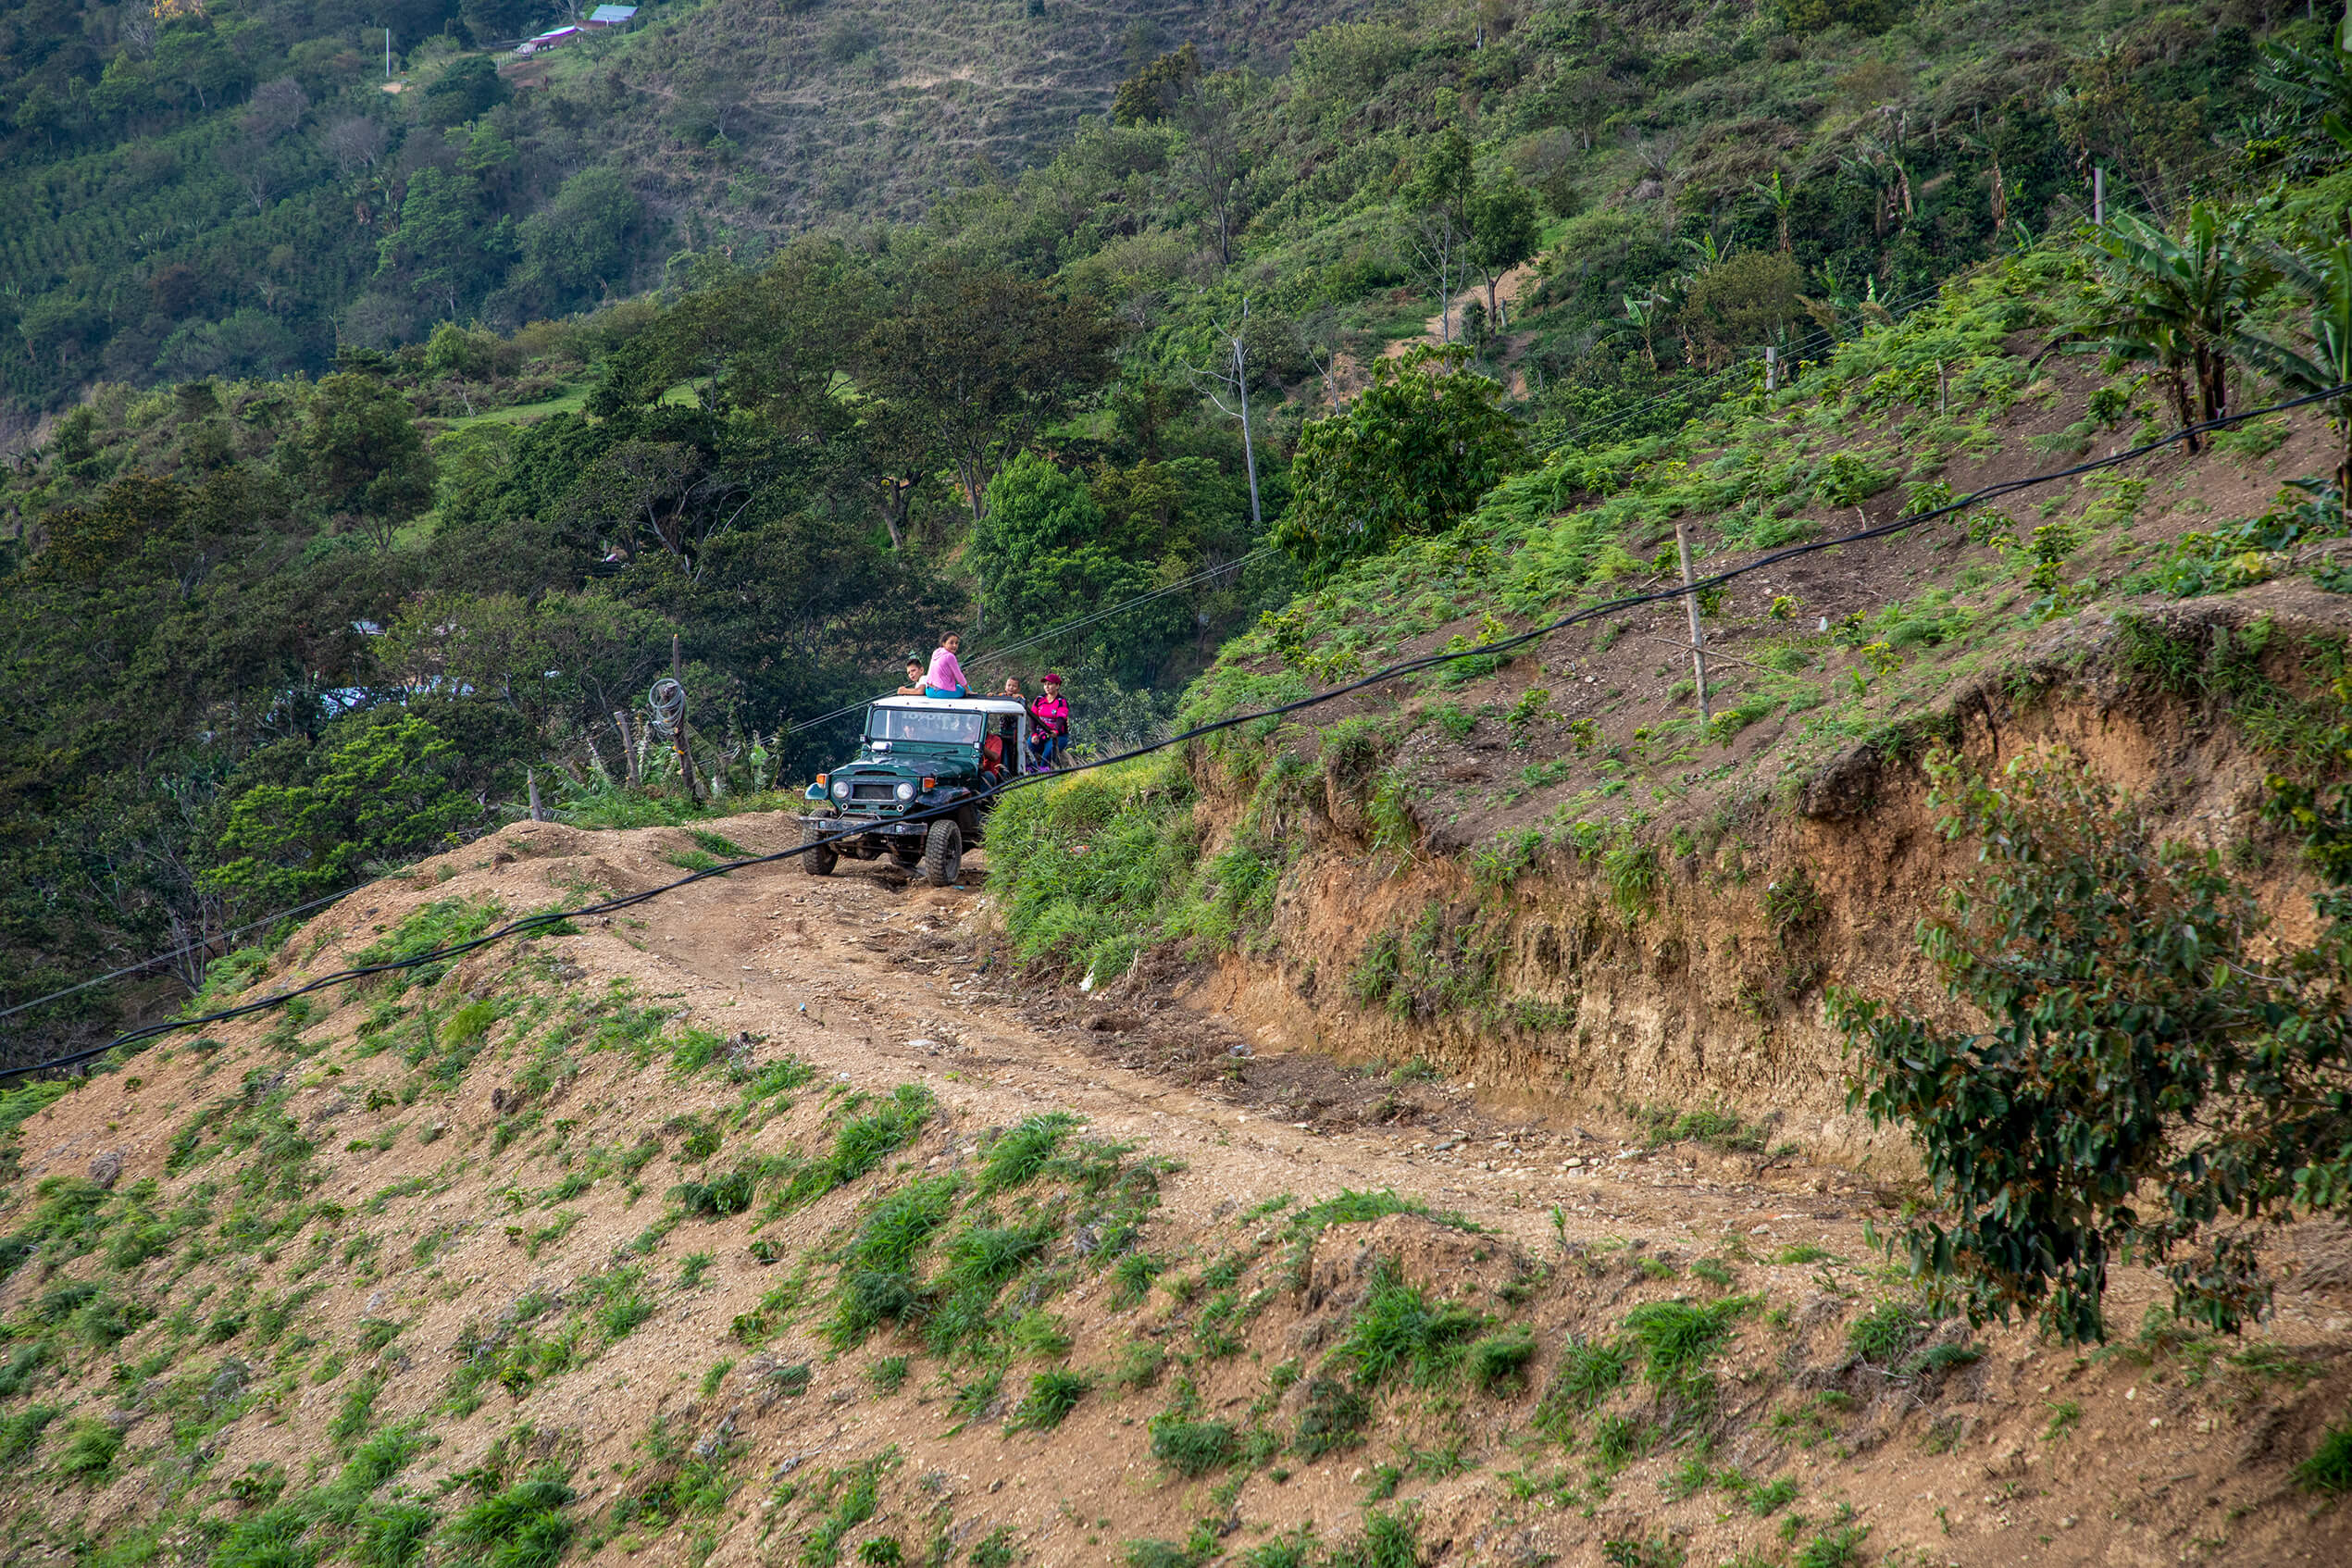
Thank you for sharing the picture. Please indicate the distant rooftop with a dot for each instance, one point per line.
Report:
(611, 16)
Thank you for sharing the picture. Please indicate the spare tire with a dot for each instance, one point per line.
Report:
(816, 862)
(942, 854)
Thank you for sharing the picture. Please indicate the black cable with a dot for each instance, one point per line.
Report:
(992, 655)
(181, 951)
(533, 923)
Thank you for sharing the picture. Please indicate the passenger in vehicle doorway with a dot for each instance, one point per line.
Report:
(996, 751)
(945, 677)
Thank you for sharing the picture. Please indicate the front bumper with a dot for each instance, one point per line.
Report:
(859, 827)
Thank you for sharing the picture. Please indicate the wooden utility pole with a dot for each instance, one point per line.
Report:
(1698, 638)
(629, 769)
(1771, 368)
(685, 752)
(2098, 197)
(530, 782)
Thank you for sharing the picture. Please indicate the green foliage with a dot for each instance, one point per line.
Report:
(2180, 303)
(2131, 1011)
(1411, 455)
(2252, 550)
(1498, 1362)
(1677, 1338)
(20, 1433)
(443, 923)
(1716, 1129)
(1588, 1373)
(1045, 545)
(361, 455)
(1400, 1331)
(523, 1525)
(1017, 1157)
(1053, 1395)
(88, 1455)
(1389, 1540)
(857, 1496)
(1884, 1335)
(1332, 1417)
(1192, 1447)
(2330, 1467)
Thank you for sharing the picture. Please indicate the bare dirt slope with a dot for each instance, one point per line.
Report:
(503, 1237)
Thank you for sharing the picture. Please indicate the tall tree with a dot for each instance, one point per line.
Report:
(1435, 224)
(991, 359)
(1409, 457)
(361, 458)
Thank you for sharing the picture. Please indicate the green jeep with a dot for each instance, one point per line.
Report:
(919, 754)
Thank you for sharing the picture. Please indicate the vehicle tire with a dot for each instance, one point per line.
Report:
(942, 854)
(816, 862)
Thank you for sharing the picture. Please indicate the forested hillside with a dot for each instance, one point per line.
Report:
(239, 190)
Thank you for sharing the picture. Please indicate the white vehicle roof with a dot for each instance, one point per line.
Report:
(957, 704)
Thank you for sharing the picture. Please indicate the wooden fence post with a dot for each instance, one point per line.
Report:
(1698, 638)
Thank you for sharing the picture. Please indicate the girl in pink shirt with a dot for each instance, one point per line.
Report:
(946, 676)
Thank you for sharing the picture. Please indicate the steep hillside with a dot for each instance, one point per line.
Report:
(1543, 870)
(773, 1223)
(768, 120)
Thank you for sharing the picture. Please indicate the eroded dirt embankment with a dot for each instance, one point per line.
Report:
(1707, 989)
(488, 1212)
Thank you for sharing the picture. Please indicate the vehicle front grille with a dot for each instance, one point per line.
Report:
(873, 792)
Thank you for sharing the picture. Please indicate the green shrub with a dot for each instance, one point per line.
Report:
(393, 1534)
(1017, 1157)
(20, 1433)
(1192, 1447)
(1332, 1417)
(90, 1449)
(1618, 1440)
(1498, 1362)
(522, 1526)
(1399, 1330)
(1588, 1373)
(2330, 1467)
(1389, 1540)
(1053, 1395)
(1678, 1337)
(1884, 1335)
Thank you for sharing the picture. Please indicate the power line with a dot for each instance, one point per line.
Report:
(541, 922)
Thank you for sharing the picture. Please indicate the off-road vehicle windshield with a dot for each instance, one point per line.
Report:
(939, 724)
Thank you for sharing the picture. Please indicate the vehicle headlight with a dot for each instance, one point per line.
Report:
(841, 790)
(906, 791)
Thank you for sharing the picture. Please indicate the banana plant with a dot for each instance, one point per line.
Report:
(1781, 198)
(2179, 303)
(2324, 280)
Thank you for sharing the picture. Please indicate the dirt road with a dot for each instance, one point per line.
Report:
(867, 973)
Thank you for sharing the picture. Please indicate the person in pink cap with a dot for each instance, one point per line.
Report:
(946, 676)
(1050, 723)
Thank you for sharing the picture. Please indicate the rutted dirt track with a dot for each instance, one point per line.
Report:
(2027, 1454)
